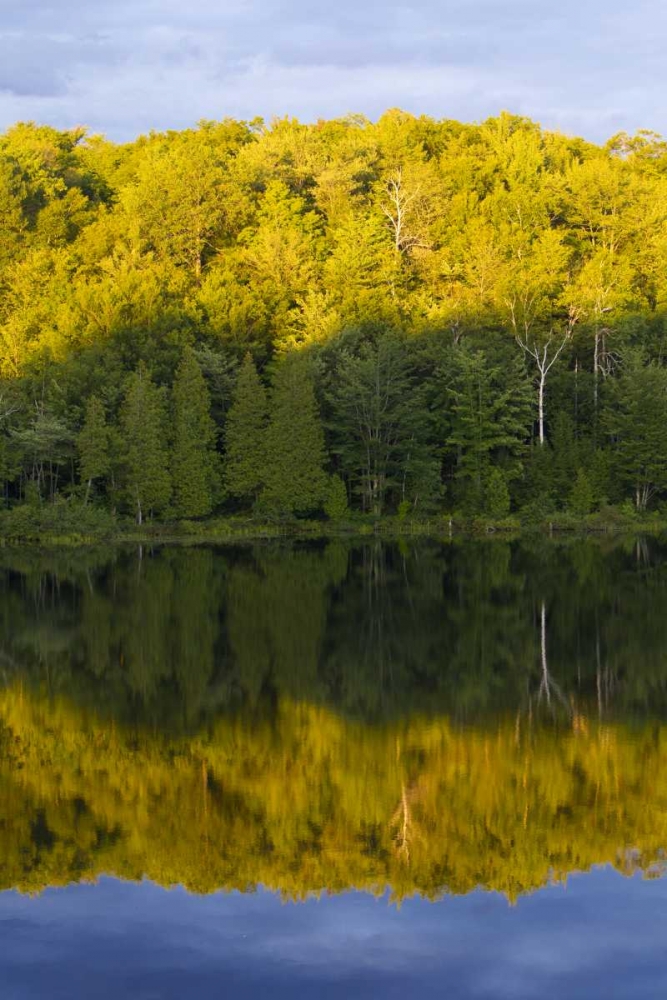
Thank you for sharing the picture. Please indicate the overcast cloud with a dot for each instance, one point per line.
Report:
(125, 66)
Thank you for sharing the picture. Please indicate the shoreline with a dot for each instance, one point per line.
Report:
(443, 528)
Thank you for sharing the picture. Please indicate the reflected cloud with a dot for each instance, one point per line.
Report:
(583, 942)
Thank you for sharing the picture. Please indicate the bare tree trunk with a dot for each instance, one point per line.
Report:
(545, 356)
(540, 404)
(596, 372)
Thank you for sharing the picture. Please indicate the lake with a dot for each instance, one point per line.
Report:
(368, 769)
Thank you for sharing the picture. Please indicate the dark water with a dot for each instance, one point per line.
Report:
(371, 770)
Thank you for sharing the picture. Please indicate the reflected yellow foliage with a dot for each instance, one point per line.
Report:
(304, 801)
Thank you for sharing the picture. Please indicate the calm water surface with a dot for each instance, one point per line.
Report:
(412, 770)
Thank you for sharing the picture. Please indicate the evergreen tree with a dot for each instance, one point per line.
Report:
(491, 412)
(147, 482)
(47, 445)
(294, 481)
(496, 494)
(379, 421)
(563, 458)
(195, 462)
(335, 501)
(637, 421)
(244, 435)
(93, 444)
(582, 498)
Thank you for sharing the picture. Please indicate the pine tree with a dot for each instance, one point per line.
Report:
(637, 422)
(244, 435)
(582, 498)
(195, 463)
(335, 501)
(378, 420)
(147, 482)
(294, 481)
(496, 494)
(490, 418)
(93, 444)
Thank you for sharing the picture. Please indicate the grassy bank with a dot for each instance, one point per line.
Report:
(65, 523)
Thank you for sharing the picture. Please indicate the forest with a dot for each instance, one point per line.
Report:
(349, 318)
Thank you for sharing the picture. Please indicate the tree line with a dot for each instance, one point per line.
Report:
(405, 316)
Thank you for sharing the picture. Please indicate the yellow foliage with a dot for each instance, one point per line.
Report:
(305, 801)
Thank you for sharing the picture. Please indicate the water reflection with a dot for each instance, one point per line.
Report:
(427, 718)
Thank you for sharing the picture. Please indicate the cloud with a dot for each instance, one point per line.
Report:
(129, 65)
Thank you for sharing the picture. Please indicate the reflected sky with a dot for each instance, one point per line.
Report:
(600, 935)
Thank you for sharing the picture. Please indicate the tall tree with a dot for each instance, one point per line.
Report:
(176, 208)
(244, 435)
(195, 462)
(93, 444)
(147, 481)
(294, 479)
(636, 421)
(379, 422)
(491, 414)
(530, 292)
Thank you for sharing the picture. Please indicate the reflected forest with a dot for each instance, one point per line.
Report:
(426, 718)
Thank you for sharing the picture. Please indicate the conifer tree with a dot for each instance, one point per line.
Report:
(93, 444)
(378, 429)
(637, 422)
(335, 501)
(244, 435)
(490, 419)
(294, 481)
(195, 463)
(147, 482)
(582, 498)
(496, 494)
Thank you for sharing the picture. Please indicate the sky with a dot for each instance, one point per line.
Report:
(123, 67)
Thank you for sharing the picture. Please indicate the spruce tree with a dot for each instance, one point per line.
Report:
(490, 413)
(195, 463)
(147, 482)
(378, 419)
(244, 435)
(294, 480)
(496, 494)
(582, 497)
(93, 444)
(636, 421)
(335, 500)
